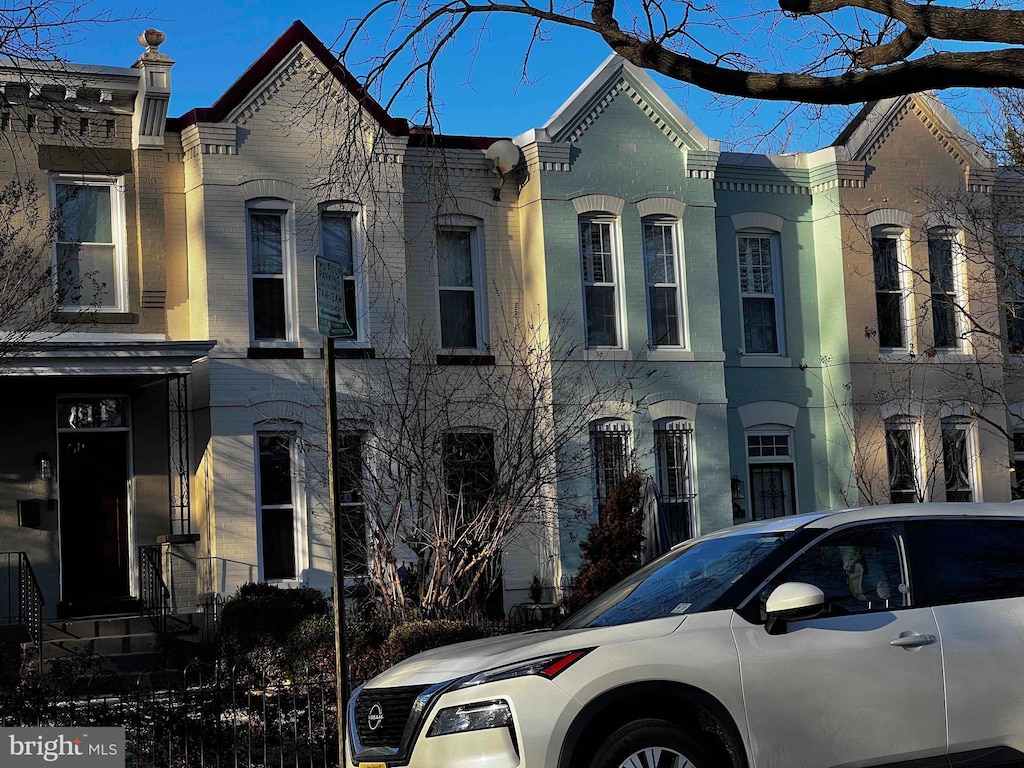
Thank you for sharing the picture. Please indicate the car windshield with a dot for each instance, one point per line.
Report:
(686, 580)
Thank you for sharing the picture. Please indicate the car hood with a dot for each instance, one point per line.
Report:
(453, 661)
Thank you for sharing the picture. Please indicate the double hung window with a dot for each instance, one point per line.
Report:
(610, 457)
(270, 269)
(460, 284)
(664, 294)
(469, 473)
(901, 449)
(958, 459)
(336, 244)
(90, 258)
(673, 444)
(890, 296)
(598, 254)
(275, 486)
(351, 512)
(760, 292)
(945, 302)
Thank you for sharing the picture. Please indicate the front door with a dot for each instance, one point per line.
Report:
(93, 476)
(837, 690)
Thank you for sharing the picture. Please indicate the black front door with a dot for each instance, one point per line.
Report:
(93, 476)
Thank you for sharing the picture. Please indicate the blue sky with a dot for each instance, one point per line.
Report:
(480, 88)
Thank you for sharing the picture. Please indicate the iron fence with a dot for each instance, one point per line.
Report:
(21, 598)
(202, 717)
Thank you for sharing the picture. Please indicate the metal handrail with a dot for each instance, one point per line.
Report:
(30, 600)
(156, 597)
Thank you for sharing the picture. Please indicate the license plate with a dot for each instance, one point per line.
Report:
(373, 765)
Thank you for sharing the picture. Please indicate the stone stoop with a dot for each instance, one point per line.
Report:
(119, 644)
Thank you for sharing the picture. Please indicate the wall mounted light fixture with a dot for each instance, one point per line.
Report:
(44, 466)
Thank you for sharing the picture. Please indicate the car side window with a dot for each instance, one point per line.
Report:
(858, 569)
(968, 560)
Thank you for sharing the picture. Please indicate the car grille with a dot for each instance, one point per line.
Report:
(395, 708)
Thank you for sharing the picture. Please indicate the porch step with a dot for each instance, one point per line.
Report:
(96, 626)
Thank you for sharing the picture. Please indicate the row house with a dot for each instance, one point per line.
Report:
(761, 335)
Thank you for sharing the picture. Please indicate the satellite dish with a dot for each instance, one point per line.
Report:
(502, 156)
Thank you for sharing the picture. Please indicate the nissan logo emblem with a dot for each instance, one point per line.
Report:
(375, 717)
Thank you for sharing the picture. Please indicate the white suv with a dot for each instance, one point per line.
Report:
(866, 637)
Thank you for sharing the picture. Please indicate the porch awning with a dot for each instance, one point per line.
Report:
(81, 354)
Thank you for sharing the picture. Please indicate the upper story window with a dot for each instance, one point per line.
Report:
(946, 301)
(336, 244)
(599, 257)
(1017, 478)
(772, 482)
(610, 457)
(1010, 274)
(890, 293)
(902, 452)
(760, 292)
(460, 286)
(958, 459)
(271, 269)
(673, 447)
(90, 252)
(664, 282)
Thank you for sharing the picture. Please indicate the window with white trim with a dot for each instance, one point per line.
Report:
(902, 452)
(469, 473)
(351, 510)
(610, 457)
(946, 298)
(958, 458)
(270, 270)
(673, 448)
(275, 504)
(337, 244)
(772, 471)
(662, 264)
(890, 293)
(90, 250)
(1010, 274)
(599, 258)
(760, 292)
(460, 285)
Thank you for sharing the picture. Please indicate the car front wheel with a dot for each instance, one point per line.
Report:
(650, 743)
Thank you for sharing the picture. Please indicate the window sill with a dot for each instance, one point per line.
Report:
(752, 361)
(611, 355)
(91, 317)
(670, 355)
(465, 359)
(275, 353)
(352, 353)
(954, 355)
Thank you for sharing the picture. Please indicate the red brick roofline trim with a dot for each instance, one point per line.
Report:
(259, 69)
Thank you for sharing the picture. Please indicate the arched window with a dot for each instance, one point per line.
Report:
(610, 455)
(673, 448)
(271, 250)
(663, 267)
(945, 263)
(599, 256)
(903, 451)
(959, 458)
(891, 294)
(760, 271)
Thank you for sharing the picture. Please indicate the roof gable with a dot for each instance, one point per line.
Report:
(616, 78)
(272, 60)
(868, 131)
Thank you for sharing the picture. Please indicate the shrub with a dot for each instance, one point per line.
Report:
(278, 632)
(611, 550)
(412, 637)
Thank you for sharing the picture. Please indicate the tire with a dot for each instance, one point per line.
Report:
(651, 743)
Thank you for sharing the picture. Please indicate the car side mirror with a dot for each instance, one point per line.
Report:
(792, 601)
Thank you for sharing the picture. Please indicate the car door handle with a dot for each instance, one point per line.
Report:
(912, 640)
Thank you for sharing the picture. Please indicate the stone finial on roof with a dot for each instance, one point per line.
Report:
(151, 40)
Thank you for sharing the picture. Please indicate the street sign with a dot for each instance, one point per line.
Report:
(330, 299)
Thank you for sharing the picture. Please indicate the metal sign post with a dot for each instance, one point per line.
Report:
(332, 322)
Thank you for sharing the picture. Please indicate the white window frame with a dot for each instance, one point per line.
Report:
(479, 287)
(913, 425)
(357, 226)
(773, 431)
(363, 439)
(899, 235)
(600, 427)
(287, 212)
(958, 296)
(119, 233)
(615, 243)
(683, 428)
(682, 321)
(776, 295)
(969, 429)
(298, 502)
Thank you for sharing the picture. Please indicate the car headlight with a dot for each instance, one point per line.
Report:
(471, 717)
(545, 666)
